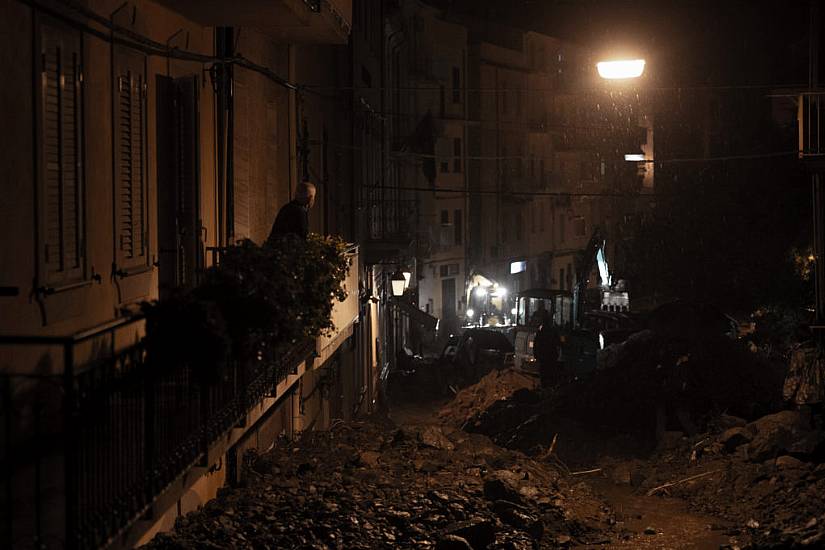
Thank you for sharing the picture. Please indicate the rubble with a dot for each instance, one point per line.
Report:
(474, 399)
(371, 485)
(678, 417)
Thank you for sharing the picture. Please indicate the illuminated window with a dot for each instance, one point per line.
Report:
(518, 267)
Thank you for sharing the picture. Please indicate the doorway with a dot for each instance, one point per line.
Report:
(179, 225)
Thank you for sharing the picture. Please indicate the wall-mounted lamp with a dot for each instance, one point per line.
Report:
(398, 283)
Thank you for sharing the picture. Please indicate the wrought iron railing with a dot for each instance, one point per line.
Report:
(86, 452)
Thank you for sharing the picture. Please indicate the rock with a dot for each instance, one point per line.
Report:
(775, 433)
(726, 421)
(370, 458)
(650, 531)
(479, 532)
(518, 516)
(786, 461)
(732, 438)
(498, 488)
(453, 542)
(628, 473)
(432, 436)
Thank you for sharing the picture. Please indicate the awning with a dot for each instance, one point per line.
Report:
(416, 315)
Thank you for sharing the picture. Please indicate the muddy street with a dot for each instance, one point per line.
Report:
(407, 478)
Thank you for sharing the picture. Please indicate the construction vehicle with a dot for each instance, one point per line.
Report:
(568, 309)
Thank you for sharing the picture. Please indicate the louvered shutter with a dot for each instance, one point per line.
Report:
(62, 231)
(130, 162)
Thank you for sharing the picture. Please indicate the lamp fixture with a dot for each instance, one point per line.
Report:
(398, 283)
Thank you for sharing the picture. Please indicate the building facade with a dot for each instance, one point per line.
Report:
(141, 140)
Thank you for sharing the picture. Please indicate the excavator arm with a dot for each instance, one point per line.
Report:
(584, 265)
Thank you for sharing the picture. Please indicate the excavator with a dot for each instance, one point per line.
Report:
(578, 313)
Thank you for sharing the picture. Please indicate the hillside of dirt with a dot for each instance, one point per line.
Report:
(371, 485)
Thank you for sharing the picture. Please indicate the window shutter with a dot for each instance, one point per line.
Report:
(130, 162)
(60, 210)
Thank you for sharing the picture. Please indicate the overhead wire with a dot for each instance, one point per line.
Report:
(141, 43)
(148, 46)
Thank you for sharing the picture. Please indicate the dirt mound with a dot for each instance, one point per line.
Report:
(369, 485)
(655, 383)
(495, 386)
(764, 476)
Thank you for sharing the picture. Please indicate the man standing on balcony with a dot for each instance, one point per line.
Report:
(293, 218)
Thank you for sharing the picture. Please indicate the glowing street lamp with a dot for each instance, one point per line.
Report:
(621, 69)
(407, 276)
(398, 283)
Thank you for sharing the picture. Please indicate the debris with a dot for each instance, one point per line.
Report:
(585, 472)
(655, 490)
(734, 437)
(358, 490)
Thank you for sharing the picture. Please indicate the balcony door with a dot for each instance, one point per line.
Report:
(179, 233)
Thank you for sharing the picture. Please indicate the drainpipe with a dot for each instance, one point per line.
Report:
(224, 107)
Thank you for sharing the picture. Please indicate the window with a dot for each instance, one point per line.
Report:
(62, 232)
(561, 278)
(504, 93)
(445, 217)
(579, 226)
(447, 270)
(533, 218)
(366, 77)
(458, 226)
(456, 85)
(542, 214)
(457, 155)
(445, 166)
(562, 237)
(519, 227)
(130, 160)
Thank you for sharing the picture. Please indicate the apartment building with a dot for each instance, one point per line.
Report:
(142, 139)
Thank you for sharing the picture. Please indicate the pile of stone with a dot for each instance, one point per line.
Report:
(765, 476)
(370, 485)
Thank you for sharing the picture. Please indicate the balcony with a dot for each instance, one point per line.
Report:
(287, 21)
(109, 441)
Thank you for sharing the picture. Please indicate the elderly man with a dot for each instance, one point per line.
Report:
(293, 218)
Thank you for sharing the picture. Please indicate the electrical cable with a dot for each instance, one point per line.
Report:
(411, 154)
(148, 46)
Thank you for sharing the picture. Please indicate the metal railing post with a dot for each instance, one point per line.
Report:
(70, 466)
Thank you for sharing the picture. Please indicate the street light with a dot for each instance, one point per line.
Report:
(407, 276)
(398, 283)
(621, 68)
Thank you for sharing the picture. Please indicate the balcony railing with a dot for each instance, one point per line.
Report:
(87, 451)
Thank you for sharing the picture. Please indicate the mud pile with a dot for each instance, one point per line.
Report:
(370, 485)
(654, 383)
(473, 400)
(766, 476)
